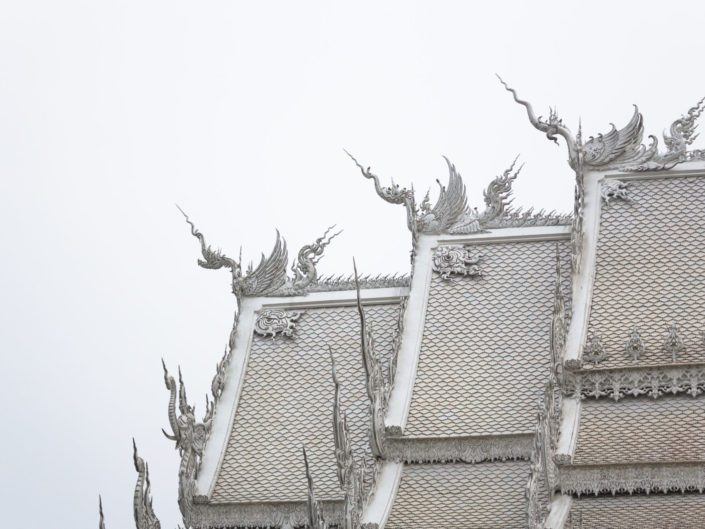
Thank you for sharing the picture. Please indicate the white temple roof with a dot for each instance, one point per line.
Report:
(484, 354)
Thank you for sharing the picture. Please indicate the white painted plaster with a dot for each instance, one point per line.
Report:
(558, 512)
(380, 504)
(235, 374)
(570, 423)
(407, 359)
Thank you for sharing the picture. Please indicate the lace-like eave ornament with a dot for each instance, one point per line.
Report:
(271, 322)
(635, 345)
(673, 343)
(614, 190)
(594, 351)
(458, 260)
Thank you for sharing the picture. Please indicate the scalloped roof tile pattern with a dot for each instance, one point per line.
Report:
(641, 429)
(649, 271)
(287, 402)
(461, 495)
(485, 350)
(653, 511)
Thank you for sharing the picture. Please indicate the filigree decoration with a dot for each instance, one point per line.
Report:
(576, 229)
(635, 345)
(628, 479)
(218, 382)
(622, 150)
(474, 449)
(619, 383)
(535, 508)
(144, 513)
(378, 388)
(543, 474)
(594, 351)
(559, 328)
(271, 322)
(451, 213)
(190, 437)
(270, 277)
(673, 343)
(612, 190)
(315, 515)
(457, 260)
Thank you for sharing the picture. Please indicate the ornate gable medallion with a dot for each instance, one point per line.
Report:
(458, 260)
(271, 322)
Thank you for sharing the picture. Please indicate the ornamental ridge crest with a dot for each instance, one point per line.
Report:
(458, 260)
(271, 322)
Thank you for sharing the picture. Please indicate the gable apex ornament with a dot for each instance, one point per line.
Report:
(621, 149)
(457, 260)
(270, 277)
(451, 212)
(613, 190)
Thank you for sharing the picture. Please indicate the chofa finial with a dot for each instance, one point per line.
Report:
(269, 278)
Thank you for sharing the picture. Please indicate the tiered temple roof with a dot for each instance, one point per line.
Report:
(533, 371)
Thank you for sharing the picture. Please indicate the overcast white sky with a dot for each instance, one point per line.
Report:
(111, 112)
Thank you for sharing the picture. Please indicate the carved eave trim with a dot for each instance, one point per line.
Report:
(469, 449)
(414, 318)
(631, 478)
(270, 514)
(236, 369)
(653, 381)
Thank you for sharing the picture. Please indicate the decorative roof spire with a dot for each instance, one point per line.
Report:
(101, 523)
(377, 389)
(315, 517)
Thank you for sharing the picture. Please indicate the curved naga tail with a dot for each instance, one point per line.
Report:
(144, 514)
(173, 422)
